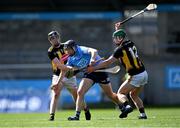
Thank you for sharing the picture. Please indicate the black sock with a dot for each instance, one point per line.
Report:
(52, 114)
(120, 106)
(78, 113)
(141, 110)
(125, 103)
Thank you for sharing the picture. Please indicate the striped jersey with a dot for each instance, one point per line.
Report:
(127, 53)
(60, 54)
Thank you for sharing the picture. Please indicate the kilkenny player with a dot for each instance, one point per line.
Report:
(126, 52)
(58, 60)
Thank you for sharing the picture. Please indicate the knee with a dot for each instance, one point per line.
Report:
(111, 95)
(56, 96)
(80, 93)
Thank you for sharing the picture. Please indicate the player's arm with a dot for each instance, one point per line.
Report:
(61, 76)
(113, 58)
(106, 63)
(59, 80)
(64, 73)
(56, 61)
(103, 64)
(93, 53)
(59, 65)
(117, 25)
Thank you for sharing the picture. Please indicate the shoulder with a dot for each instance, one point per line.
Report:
(70, 61)
(50, 49)
(128, 43)
(51, 53)
(119, 48)
(83, 47)
(117, 52)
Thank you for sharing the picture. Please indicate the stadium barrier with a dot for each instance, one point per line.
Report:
(34, 96)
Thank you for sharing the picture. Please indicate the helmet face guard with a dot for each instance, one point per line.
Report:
(70, 44)
(53, 34)
(71, 47)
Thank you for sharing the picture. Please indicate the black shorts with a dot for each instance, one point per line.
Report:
(98, 77)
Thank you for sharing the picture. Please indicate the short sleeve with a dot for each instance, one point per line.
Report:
(69, 63)
(51, 55)
(117, 53)
(84, 49)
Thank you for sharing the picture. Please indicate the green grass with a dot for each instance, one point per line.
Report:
(157, 117)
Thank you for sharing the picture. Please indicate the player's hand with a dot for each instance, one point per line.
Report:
(69, 68)
(90, 69)
(117, 25)
(70, 73)
(92, 62)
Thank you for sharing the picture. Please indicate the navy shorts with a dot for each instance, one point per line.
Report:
(98, 77)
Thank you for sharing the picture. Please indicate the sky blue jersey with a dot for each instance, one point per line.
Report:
(81, 58)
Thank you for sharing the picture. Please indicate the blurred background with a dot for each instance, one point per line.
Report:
(25, 70)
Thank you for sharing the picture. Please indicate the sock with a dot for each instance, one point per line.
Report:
(78, 113)
(142, 112)
(120, 106)
(125, 104)
(52, 114)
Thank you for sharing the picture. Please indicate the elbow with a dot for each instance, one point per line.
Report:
(95, 51)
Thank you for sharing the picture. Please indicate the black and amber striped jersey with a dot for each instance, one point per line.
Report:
(60, 54)
(127, 53)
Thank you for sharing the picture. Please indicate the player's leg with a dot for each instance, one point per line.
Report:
(71, 85)
(134, 94)
(138, 81)
(84, 86)
(107, 88)
(124, 89)
(84, 105)
(54, 98)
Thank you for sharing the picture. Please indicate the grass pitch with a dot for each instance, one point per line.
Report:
(101, 118)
